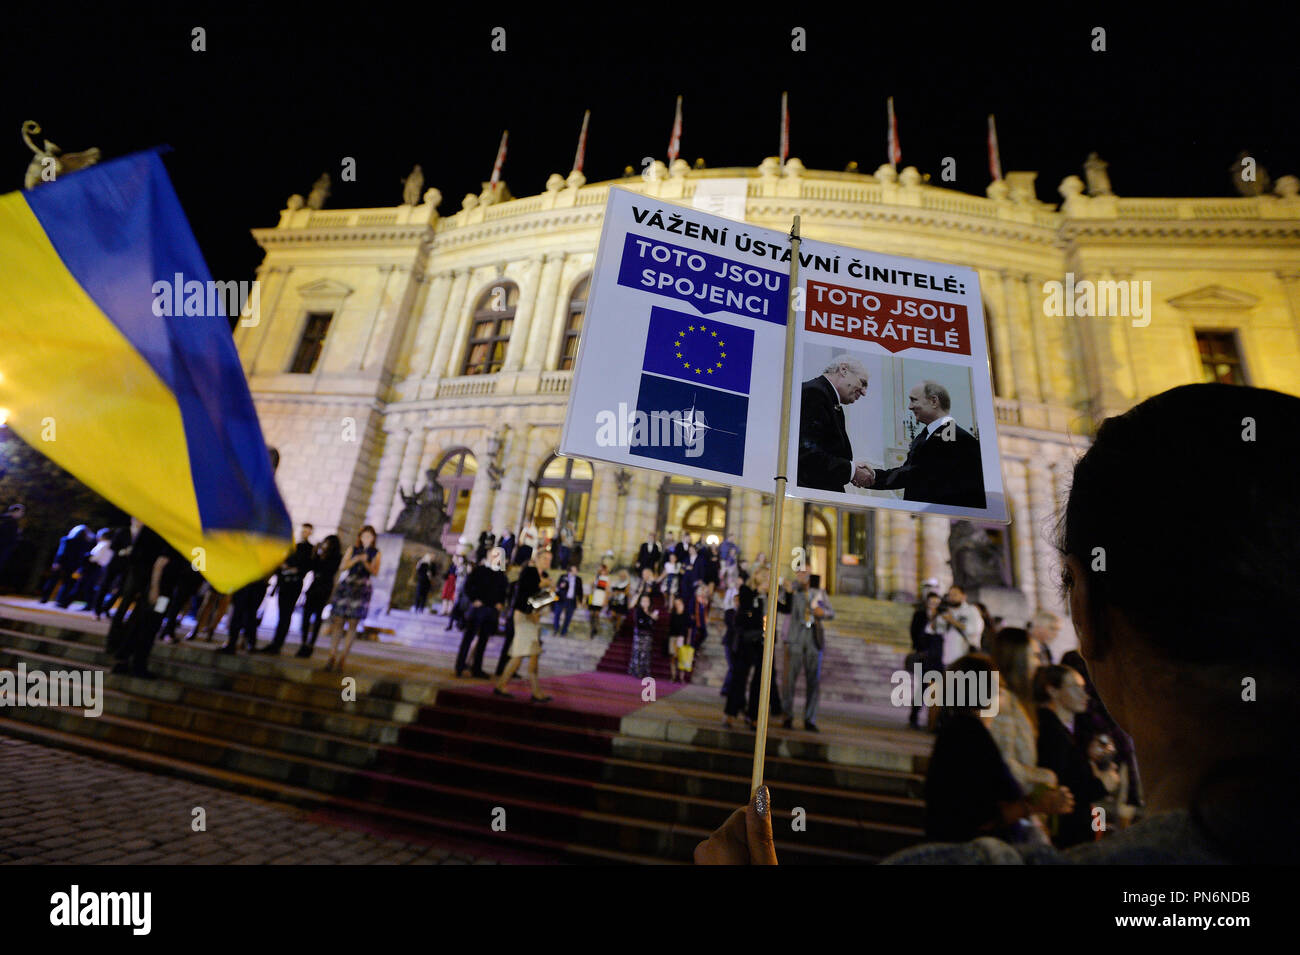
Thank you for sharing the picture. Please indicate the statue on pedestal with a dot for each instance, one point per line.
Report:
(50, 162)
(412, 186)
(320, 191)
(422, 518)
(976, 560)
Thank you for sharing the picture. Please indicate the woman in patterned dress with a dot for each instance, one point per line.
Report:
(352, 595)
(642, 632)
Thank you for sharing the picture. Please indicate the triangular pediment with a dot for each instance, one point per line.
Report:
(324, 288)
(1214, 296)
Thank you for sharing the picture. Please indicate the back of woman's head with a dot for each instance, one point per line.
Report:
(1014, 661)
(333, 546)
(968, 672)
(1184, 517)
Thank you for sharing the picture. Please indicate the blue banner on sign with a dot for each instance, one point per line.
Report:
(702, 350)
(684, 423)
(708, 283)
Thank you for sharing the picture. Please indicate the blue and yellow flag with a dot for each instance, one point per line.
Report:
(150, 410)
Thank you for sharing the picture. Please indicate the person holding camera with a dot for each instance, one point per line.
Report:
(962, 623)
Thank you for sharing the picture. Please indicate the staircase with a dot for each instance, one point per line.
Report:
(596, 776)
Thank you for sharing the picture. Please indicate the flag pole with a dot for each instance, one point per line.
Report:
(778, 513)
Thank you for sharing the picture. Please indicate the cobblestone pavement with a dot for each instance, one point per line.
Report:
(61, 807)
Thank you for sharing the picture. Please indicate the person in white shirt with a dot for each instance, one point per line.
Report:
(963, 626)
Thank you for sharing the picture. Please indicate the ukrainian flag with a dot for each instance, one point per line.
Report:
(151, 412)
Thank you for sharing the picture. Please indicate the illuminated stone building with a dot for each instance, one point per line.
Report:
(393, 340)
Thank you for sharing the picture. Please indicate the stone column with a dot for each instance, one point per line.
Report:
(431, 322)
(752, 537)
(408, 473)
(385, 487)
(378, 323)
(555, 320)
(1024, 360)
(933, 545)
(449, 324)
(481, 497)
(1017, 491)
(268, 306)
(906, 559)
(886, 552)
(539, 334)
(1108, 374)
(600, 522)
(544, 271)
(1042, 508)
(1290, 279)
(1057, 366)
(518, 463)
(1000, 336)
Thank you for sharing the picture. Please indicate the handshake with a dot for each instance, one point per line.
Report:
(863, 476)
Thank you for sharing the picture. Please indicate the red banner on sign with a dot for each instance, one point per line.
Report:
(893, 321)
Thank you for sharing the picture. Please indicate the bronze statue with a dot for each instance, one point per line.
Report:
(422, 518)
(976, 560)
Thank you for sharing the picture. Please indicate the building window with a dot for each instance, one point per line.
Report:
(1220, 360)
(311, 343)
(455, 472)
(573, 325)
(489, 334)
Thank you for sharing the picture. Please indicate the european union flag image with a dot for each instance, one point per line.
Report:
(699, 349)
(686, 423)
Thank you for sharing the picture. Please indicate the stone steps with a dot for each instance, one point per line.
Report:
(574, 778)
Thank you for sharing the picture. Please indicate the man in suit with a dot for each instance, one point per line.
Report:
(825, 452)
(288, 586)
(943, 464)
(648, 555)
(807, 605)
(485, 588)
(569, 592)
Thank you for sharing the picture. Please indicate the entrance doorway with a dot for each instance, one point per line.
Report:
(699, 508)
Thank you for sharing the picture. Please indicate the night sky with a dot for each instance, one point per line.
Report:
(280, 97)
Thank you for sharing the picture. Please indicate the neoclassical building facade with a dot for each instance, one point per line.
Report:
(393, 341)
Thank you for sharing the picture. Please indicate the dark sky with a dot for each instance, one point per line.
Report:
(280, 97)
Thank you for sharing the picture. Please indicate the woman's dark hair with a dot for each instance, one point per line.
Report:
(1051, 676)
(973, 667)
(362, 531)
(333, 546)
(1012, 659)
(1223, 589)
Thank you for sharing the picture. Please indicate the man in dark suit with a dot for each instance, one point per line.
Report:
(649, 555)
(943, 463)
(825, 452)
(569, 592)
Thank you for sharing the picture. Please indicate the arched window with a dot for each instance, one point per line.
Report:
(560, 494)
(573, 324)
(706, 520)
(455, 472)
(489, 332)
